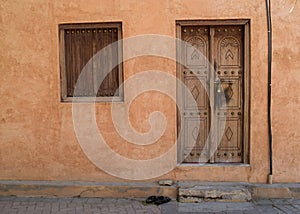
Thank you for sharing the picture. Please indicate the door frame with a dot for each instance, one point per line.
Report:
(246, 88)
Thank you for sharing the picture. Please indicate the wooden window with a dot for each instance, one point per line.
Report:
(93, 50)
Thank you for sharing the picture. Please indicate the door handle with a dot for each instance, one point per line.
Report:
(218, 86)
(215, 66)
(224, 87)
(217, 81)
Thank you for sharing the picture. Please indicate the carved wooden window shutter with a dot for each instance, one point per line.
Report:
(79, 50)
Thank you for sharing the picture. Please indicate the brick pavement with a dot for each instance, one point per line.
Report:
(266, 206)
(23, 205)
(15, 205)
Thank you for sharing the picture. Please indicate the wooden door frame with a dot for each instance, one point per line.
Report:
(246, 88)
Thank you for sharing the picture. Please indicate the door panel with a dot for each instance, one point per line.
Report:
(229, 149)
(228, 56)
(195, 76)
(197, 89)
(195, 137)
(231, 88)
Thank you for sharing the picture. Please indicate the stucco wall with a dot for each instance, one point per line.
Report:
(37, 138)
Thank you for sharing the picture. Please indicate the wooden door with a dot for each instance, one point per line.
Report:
(213, 71)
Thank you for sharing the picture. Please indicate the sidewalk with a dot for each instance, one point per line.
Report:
(23, 205)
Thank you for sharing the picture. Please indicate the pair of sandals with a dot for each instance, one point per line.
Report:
(157, 200)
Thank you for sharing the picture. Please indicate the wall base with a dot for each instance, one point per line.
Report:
(145, 189)
(85, 189)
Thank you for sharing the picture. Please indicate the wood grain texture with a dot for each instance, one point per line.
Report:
(91, 48)
(215, 72)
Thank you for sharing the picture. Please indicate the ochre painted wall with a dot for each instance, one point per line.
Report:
(37, 139)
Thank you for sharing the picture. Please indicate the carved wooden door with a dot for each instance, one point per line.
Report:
(212, 70)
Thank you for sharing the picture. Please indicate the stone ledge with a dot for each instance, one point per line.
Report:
(185, 191)
(85, 189)
(235, 191)
(283, 190)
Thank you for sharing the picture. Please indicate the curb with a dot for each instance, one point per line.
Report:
(138, 189)
(84, 189)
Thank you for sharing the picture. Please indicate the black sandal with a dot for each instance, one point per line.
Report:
(161, 200)
(151, 199)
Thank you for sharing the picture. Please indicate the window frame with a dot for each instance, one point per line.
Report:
(62, 63)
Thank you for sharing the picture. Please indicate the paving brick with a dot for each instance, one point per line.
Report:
(282, 201)
(104, 210)
(252, 211)
(93, 200)
(10, 212)
(297, 206)
(287, 208)
(54, 207)
(278, 211)
(266, 209)
(141, 212)
(263, 201)
(296, 201)
(62, 205)
(235, 212)
(96, 211)
(129, 209)
(62, 212)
